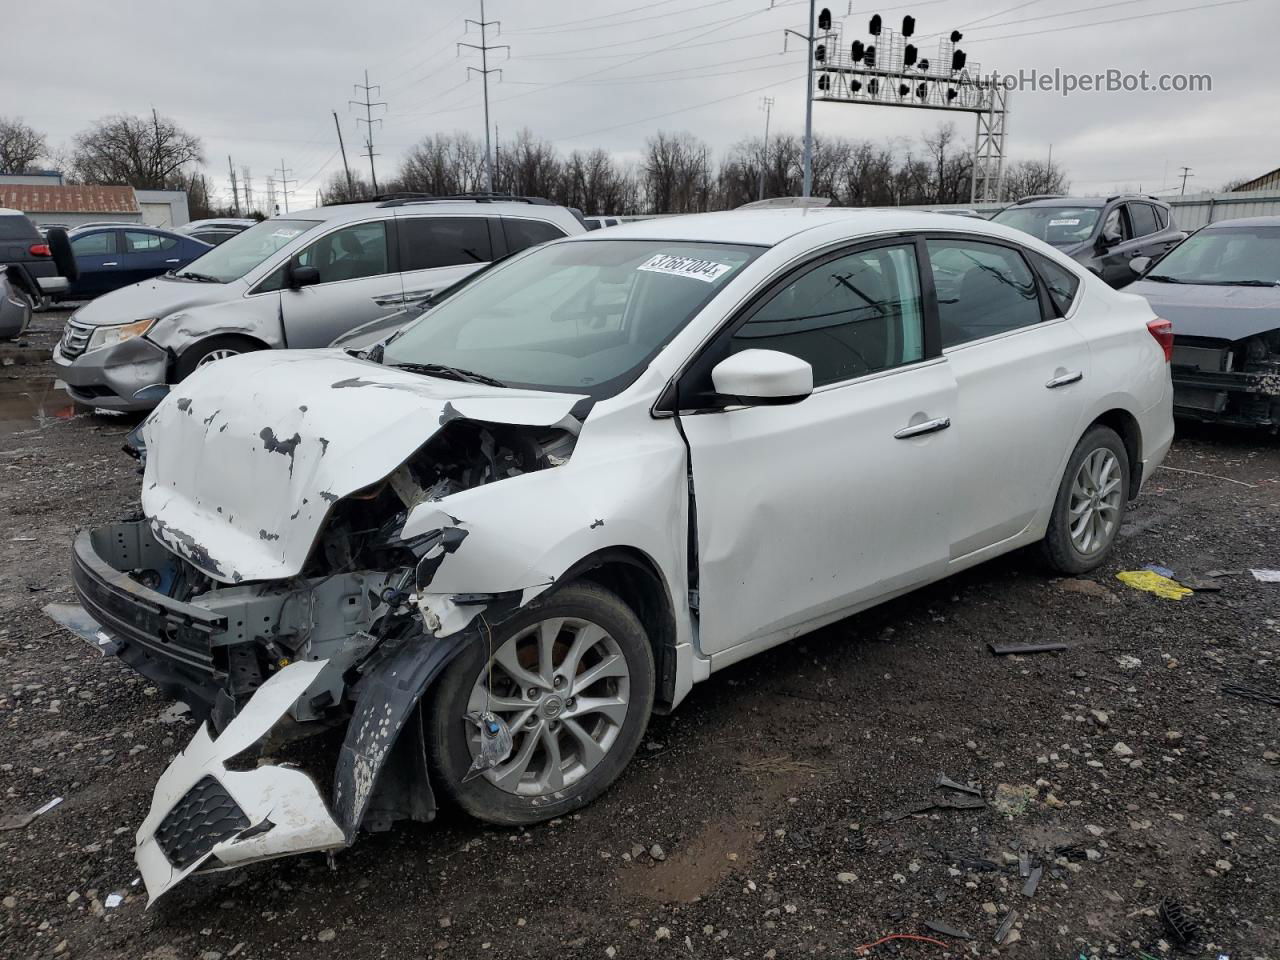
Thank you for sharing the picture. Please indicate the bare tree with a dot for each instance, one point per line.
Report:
(677, 173)
(20, 146)
(1034, 176)
(150, 153)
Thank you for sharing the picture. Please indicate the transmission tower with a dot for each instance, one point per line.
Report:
(368, 120)
(247, 179)
(766, 104)
(272, 206)
(484, 70)
(285, 180)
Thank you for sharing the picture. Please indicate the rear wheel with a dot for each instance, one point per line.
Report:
(572, 676)
(210, 351)
(1090, 505)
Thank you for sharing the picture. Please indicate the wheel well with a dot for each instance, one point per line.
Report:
(1126, 425)
(176, 357)
(634, 577)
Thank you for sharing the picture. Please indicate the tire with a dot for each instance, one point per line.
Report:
(1080, 543)
(511, 794)
(207, 351)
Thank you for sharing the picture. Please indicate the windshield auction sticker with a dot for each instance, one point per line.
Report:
(1065, 223)
(708, 271)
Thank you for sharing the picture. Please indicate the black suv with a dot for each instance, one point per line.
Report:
(1101, 233)
(21, 243)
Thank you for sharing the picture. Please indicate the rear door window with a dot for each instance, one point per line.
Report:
(983, 290)
(1144, 219)
(427, 242)
(527, 233)
(1061, 283)
(137, 242)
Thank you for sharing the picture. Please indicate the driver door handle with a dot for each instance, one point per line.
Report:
(111, 263)
(174, 260)
(920, 429)
(1074, 376)
(388, 299)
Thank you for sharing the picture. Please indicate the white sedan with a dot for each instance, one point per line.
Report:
(589, 478)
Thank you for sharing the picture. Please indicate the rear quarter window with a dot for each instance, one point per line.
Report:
(427, 242)
(17, 228)
(522, 234)
(1061, 283)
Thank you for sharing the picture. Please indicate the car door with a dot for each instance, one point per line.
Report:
(804, 511)
(146, 254)
(436, 252)
(521, 233)
(1117, 247)
(98, 258)
(1021, 374)
(358, 283)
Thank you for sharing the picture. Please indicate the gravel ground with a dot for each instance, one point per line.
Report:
(772, 815)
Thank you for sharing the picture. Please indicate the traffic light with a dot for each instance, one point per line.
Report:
(857, 51)
(908, 26)
(951, 94)
(820, 53)
(874, 29)
(824, 19)
(824, 83)
(956, 36)
(869, 58)
(873, 87)
(922, 91)
(924, 66)
(909, 55)
(903, 89)
(957, 60)
(855, 86)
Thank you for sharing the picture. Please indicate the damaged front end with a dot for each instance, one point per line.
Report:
(349, 634)
(1228, 382)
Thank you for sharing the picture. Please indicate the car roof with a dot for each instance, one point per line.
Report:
(764, 227)
(6, 212)
(440, 208)
(1061, 202)
(1244, 222)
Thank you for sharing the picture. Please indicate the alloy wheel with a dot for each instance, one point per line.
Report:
(1095, 501)
(213, 355)
(562, 686)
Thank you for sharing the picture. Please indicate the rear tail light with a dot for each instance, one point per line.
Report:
(1162, 330)
(40, 250)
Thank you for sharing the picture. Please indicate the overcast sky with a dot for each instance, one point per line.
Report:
(259, 80)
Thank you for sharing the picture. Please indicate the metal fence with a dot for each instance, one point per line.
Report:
(1189, 212)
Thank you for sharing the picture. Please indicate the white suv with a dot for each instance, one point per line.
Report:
(299, 280)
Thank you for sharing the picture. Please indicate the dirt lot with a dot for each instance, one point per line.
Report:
(779, 793)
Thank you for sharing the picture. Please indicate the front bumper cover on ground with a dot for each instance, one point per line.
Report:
(205, 817)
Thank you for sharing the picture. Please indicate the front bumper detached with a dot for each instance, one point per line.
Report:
(205, 817)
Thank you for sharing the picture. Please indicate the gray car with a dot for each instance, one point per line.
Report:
(299, 280)
(1221, 291)
(1101, 233)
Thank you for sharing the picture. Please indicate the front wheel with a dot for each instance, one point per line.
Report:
(210, 351)
(1090, 505)
(572, 676)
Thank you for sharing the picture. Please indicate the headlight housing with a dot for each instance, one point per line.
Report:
(107, 336)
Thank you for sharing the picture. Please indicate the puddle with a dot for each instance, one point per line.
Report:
(28, 403)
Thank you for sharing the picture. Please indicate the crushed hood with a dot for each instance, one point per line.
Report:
(158, 297)
(1203, 310)
(246, 457)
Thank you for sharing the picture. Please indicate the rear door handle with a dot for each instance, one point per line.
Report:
(174, 260)
(388, 299)
(1061, 381)
(920, 429)
(111, 263)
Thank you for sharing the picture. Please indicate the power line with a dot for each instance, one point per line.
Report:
(532, 33)
(368, 120)
(1103, 23)
(602, 16)
(484, 70)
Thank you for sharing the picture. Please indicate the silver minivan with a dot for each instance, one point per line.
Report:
(298, 280)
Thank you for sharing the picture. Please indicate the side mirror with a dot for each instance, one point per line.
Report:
(63, 258)
(1139, 265)
(763, 377)
(300, 276)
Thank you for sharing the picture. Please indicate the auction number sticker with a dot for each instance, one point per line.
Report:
(708, 271)
(1065, 223)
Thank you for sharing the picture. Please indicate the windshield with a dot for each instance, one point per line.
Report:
(238, 255)
(1224, 255)
(581, 317)
(1060, 226)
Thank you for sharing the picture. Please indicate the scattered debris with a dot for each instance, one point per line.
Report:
(862, 950)
(1179, 923)
(1153, 582)
(1252, 693)
(937, 926)
(1013, 799)
(1033, 881)
(1128, 662)
(113, 900)
(1090, 588)
(1266, 576)
(1156, 568)
(1002, 931)
(1223, 573)
(1024, 863)
(16, 821)
(1201, 584)
(495, 743)
(1211, 476)
(947, 783)
(962, 798)
(1005, 649)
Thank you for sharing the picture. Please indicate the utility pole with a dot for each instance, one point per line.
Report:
(351, 191)
(272, 207)
(248, 191)
(368, 121)
(235, 190)
(284, 183)
(497, 145)
(810, 38)
(766, 104)
(484, 47)
(1186, 172)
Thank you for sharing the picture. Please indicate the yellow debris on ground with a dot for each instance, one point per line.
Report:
(1153, 582)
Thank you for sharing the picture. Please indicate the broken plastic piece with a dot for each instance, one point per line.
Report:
(113, 900)
(1033, 881)
(1251, 693)
(1005, 649)
(495, 743)
(948, 784)
(1153, 582)
(1156, 568)
(1181, 926)
(1006, 925)
(1266, 576)
(937, 926)
(19, 820)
